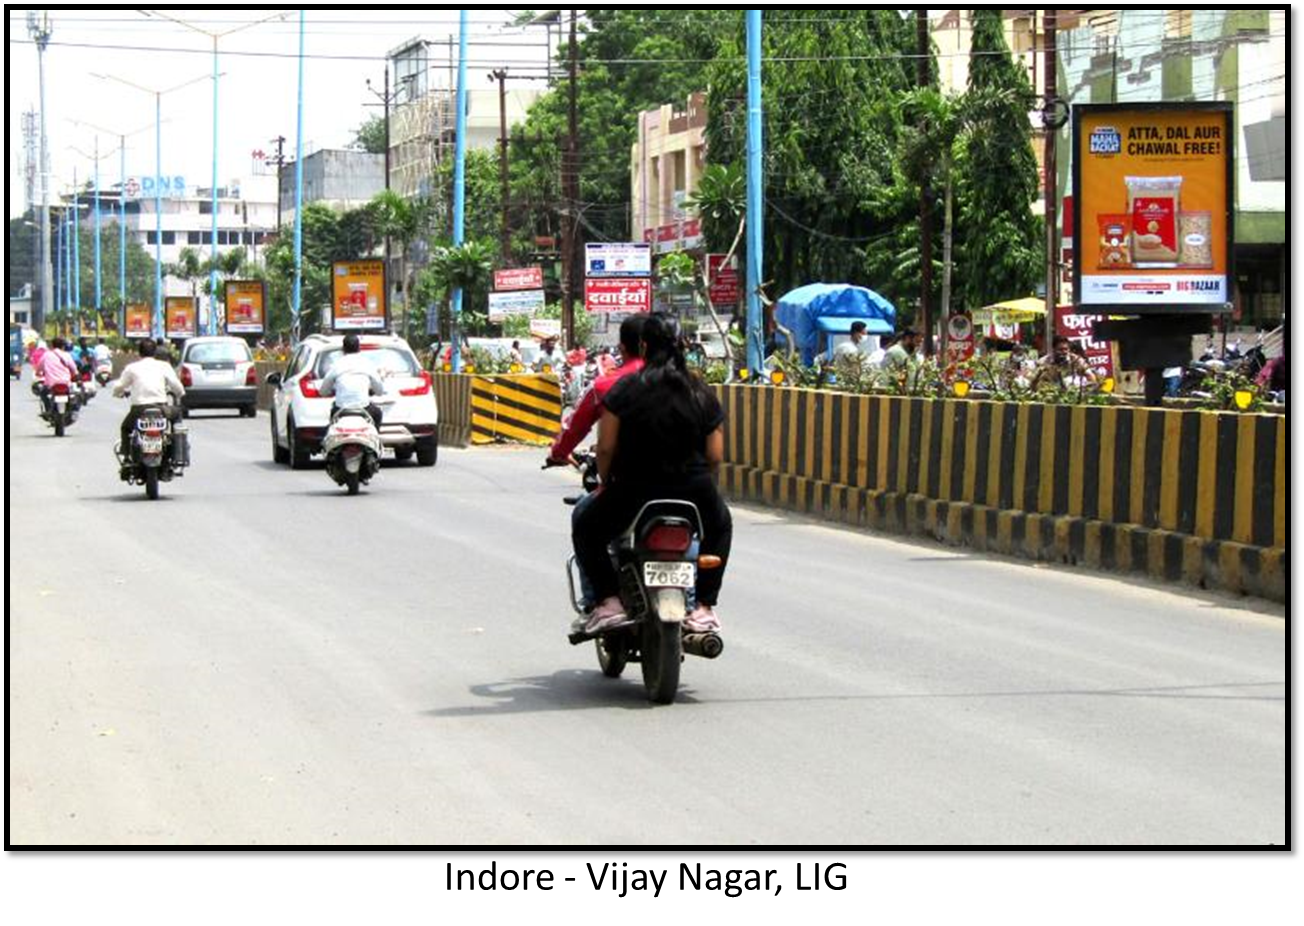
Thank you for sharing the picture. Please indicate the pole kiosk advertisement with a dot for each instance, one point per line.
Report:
(179, 317)
(1153, 227)
(358, 296)
(1152, 208)
(139, 320)
(245, 302)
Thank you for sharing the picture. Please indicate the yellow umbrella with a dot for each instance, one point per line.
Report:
(1013, 311)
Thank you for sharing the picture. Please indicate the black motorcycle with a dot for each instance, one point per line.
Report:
(60, 404)
(159, 450)
(658, 572)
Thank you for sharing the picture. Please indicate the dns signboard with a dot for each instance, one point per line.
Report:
(1152, 198)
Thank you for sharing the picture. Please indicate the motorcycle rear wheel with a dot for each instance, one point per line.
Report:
(663, 644)
(58, 424)
(151, 483)
(612, 655)
(352, 480)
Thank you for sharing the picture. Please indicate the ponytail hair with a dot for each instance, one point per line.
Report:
(660, 343)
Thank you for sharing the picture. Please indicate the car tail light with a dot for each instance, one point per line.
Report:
(423, 389)
(668, 539)
(308, 388)
(251, 378)
(186, 379)
(59, 388)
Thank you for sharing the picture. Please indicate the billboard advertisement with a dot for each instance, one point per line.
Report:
(617, 294)
(722, 279)
(179, 313)
(526, 302)
(245, 301)
(139, 323)
(1152, 206)
(620, 259)
(358, 296)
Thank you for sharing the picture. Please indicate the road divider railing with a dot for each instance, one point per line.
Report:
(1191, 496)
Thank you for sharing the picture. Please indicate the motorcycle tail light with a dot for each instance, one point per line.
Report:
(423, 389)
(308, 388)
(251, 378)
(59, 388)
(669, 539)
(186, 379)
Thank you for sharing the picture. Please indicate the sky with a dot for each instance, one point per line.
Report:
(257, 96)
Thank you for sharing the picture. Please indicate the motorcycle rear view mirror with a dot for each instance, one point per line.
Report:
(273, 379)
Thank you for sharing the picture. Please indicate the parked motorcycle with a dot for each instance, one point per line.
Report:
(352, 447)
(159, 451)
(658, 572)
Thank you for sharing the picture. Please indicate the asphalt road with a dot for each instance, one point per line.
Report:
(257, 658)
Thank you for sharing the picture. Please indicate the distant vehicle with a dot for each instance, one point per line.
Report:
(16, 353)
(300, 415)
(219, 372)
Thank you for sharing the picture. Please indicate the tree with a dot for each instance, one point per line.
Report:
(370, 136)
(1000, 249)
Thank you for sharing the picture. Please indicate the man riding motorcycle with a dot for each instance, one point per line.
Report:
(55, 367)
(148, 381)
(661, 436)
(353, 381)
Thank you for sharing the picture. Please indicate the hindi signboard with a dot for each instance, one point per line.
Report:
(1078, 327)
(527, 302)
(723, 286)
(180, 314)
(618, 294)
(619, 259)
(518, 278)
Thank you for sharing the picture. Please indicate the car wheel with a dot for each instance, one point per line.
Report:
(427, 450)
(279, 453)
(249, 411)
(403, 454)
(299, 456)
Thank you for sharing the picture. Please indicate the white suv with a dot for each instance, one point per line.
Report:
(300, 415)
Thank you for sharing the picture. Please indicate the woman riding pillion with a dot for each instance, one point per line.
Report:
(661, 436)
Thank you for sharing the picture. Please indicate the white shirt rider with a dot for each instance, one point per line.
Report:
(353, 381)
(149, 382)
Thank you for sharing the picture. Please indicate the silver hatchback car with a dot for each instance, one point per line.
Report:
(219, 373)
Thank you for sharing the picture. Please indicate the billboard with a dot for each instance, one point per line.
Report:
(620, 259)
(723, 279)
(139, 323)
(618, 294)
(179, 313)
(526, 302)
(1152, 206)
(358, 296)
(245, 302)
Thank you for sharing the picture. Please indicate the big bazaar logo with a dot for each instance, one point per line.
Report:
(1198, 286)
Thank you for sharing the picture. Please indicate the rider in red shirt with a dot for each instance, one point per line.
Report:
(589, 408)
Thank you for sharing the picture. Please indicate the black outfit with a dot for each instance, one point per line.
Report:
(170, 412)
(660, 453)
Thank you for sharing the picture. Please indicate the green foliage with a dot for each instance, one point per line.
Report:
(370, 136)
(720, 202)
(1221, 388)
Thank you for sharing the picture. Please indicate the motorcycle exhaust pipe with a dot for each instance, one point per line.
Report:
(706, 645)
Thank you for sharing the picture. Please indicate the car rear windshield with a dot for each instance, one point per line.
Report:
(386, 361)
(219, 352)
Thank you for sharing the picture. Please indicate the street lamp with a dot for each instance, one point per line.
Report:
(212, 264)
(122, 214)
(38, 26)
(158, 190)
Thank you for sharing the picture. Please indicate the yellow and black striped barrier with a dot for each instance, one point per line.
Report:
(1177, 494)
(522, 408)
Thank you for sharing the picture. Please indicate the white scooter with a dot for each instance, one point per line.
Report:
(352, 446)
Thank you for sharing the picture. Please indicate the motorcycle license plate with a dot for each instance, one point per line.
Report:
(151, 445)
(669, 575)
(61, 400)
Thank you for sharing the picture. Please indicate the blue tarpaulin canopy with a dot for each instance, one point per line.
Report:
(832, 307)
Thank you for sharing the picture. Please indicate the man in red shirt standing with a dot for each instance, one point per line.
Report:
(587, 413)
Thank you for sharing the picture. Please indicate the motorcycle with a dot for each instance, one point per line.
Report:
(103, 372)
(352, 446)
(159, 451)
(655, 561)
(59, 405)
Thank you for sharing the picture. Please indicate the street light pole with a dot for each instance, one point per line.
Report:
(158, 95)
(38, 26)
(76, 257)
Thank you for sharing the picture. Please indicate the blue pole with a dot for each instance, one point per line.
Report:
(459, 184)
(58, 272)
(298, 197)
(65, 256)
(122, 234)
(158, 217)
(755, 197)
(98, 289)
(76, 258)
(212, 272)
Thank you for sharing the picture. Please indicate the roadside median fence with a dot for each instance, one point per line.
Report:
(489, 409)
(1189, 496)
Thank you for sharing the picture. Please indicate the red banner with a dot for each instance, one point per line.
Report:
(1078, 328)
(518, 278)
(618, 294)
(723, 280)
(959, 338)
